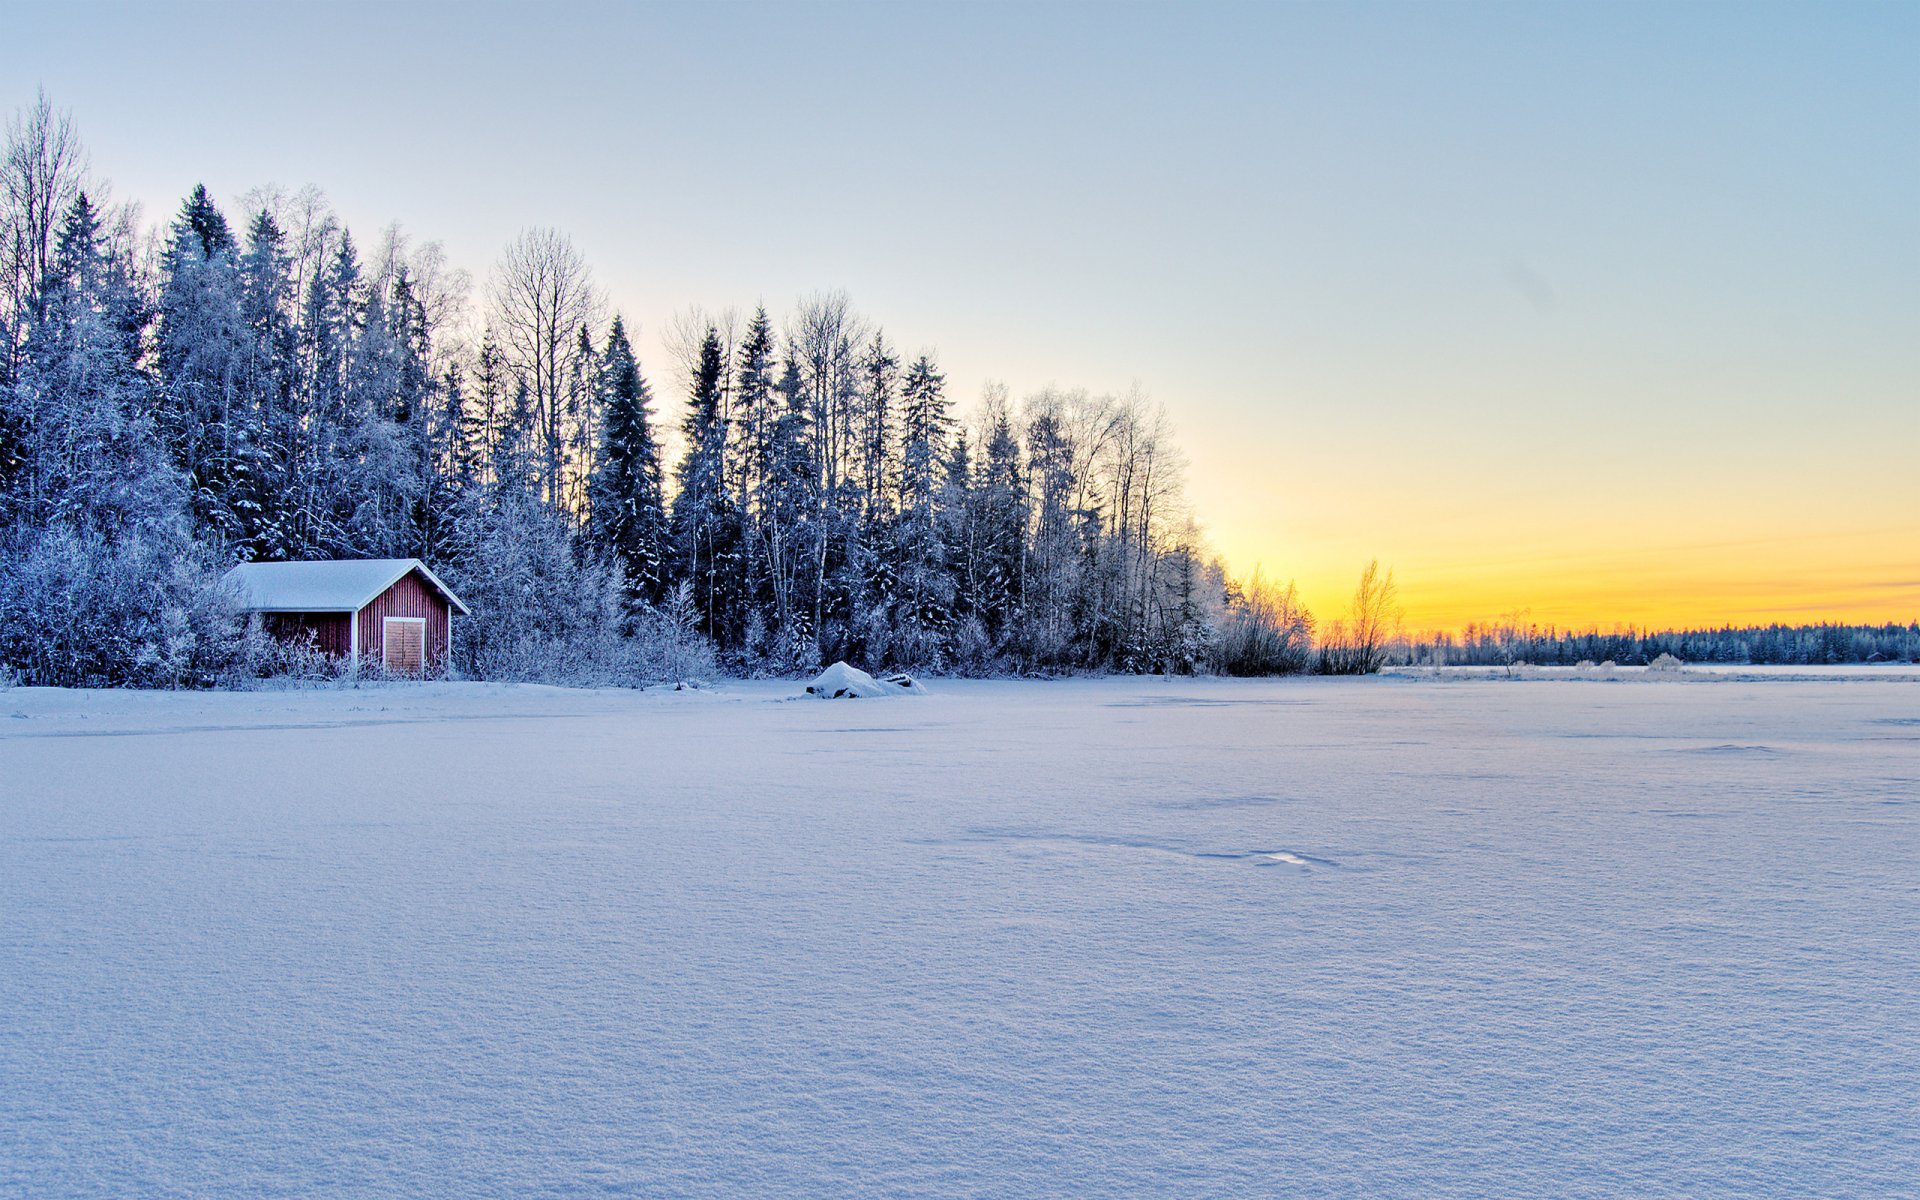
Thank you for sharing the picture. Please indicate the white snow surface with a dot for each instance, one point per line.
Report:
(1353, 938)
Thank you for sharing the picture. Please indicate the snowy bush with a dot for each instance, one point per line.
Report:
(972, 649)
(1666, 664)
(274, 662)
(544, 614)
(1266, 631)
(665, 643)
(145, 609)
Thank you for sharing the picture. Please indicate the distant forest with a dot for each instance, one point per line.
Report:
(1504, 643)
(249, 383)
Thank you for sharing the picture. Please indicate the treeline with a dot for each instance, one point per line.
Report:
(1507, 642)
(257, 386)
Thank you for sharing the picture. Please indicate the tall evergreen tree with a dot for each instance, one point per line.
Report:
(706, 520)
(201, 218)
(580, 428)
(1003, 532)
(754, 410)
(270, 369)
(879, 375)
(627, 514)
(204, 350)
(491, 400)
(1047, 626)
(786, 513)
(925, 589)
(90, 458)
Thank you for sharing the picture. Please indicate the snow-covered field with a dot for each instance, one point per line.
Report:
(1387, 937)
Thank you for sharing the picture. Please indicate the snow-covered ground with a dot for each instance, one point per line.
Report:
(1387, 937)
(1709, 672)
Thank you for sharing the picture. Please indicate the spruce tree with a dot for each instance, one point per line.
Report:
(787, 510)
(925, 589)
(266, 287)
(754, 413)
(706, 531)
(200, 217)
(209, 419)
(89, 458)
(1003, 531)
(879, 371)
(627, 518)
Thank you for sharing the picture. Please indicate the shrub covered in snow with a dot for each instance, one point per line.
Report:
(143, 609)
(543, 612)
(1266, 630)
(665, 642)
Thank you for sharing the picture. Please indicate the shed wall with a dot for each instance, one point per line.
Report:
(330, 632)
(410, 596)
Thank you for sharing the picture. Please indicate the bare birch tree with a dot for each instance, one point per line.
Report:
(543, 295)
(42, 172)
(1358, 645)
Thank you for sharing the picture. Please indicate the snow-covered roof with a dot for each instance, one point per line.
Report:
(339, 585)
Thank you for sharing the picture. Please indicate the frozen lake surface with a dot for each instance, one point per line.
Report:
(1388, 937)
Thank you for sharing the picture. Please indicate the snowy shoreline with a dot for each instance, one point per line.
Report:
(475, 700)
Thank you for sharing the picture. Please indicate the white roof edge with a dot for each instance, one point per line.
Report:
(299, 608)
(403, 567)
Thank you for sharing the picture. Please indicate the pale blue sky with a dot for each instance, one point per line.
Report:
(1458, 285)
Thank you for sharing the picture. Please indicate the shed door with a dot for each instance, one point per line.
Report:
(403, 645)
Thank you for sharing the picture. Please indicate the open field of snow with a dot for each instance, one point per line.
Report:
(1384, 937)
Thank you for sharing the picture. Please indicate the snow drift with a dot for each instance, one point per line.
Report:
(843, 682)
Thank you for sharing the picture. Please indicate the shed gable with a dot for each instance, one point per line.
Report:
(411, 595)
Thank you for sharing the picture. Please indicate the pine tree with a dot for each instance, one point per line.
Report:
(90, 458)
(199, 217)
(753, 402)
(925, 596)
(204, 350)
(879, 369)
(1003, 532)
(706, 520)
(1046, 625)
(490, 399)
(628, 520)
(266, 287)
(453, 467)
(786, 511)
(324, 456)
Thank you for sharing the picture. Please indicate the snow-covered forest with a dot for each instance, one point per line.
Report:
(1514, 639)
(248, 381)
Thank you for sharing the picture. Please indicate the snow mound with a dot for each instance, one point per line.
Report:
(842, 682)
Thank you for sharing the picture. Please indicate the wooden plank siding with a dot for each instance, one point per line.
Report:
(410, 596)
(329, 632)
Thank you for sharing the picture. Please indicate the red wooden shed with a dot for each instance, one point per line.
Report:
(387, 611)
